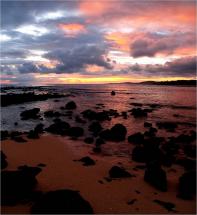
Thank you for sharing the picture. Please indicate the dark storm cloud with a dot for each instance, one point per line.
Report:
(180, 67)
(15, 13)
(70, 61)
(151, 44)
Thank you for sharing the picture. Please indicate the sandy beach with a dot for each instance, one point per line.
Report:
(59, 154)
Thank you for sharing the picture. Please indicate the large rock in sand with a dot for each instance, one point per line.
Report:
(156, 176)
(62, 202)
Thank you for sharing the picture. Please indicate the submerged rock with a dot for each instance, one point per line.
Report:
(18, 185)
(71, 105)
(30, 114)
(62, 202)
(156, 176)
(187, 185)
(118, 172)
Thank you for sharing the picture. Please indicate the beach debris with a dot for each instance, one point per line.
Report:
(4, 162)
(113, 93)
(61, 202)
(87, 161)
(138, 112)
(30, 114)
(187, 185)
(75, 132)
(116, 133)
(131, 202)
(137, 138)
(18, 185)
(89, 140)
(118, 172)
(71, 105)
(156, 176)
(167, 205)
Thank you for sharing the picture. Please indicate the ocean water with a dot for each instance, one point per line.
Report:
(177, 104)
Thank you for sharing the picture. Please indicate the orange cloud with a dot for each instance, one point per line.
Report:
(119, 40)
(72, 29)
(94, 8)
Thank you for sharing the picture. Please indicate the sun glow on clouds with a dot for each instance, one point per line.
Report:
(4, 38)
(72, 29)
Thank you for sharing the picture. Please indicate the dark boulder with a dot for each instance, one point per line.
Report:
(80, 120)
(32, 134)
(138, 112)
(30, 114)
(97, 149)
(89, 114)
(139, 154)
(116, 133)
(75, 132)
(118, 172)
(61, 202)
(39, 128)
(156, 176)
(187, 185)
(137, 138)
(18, 185)
(19, 139)
(169, 126)
(147, 124)
(95, 127)
(99, 141)
(52, 113)
(87, 161)
(4, 135)
(71, 105)
(167, 205)
(59, 127)
(89, 140)
(113, 93)
(4, 162)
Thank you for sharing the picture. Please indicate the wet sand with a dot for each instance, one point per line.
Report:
(62, 172)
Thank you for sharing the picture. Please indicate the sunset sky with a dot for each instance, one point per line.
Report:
(65, 42)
